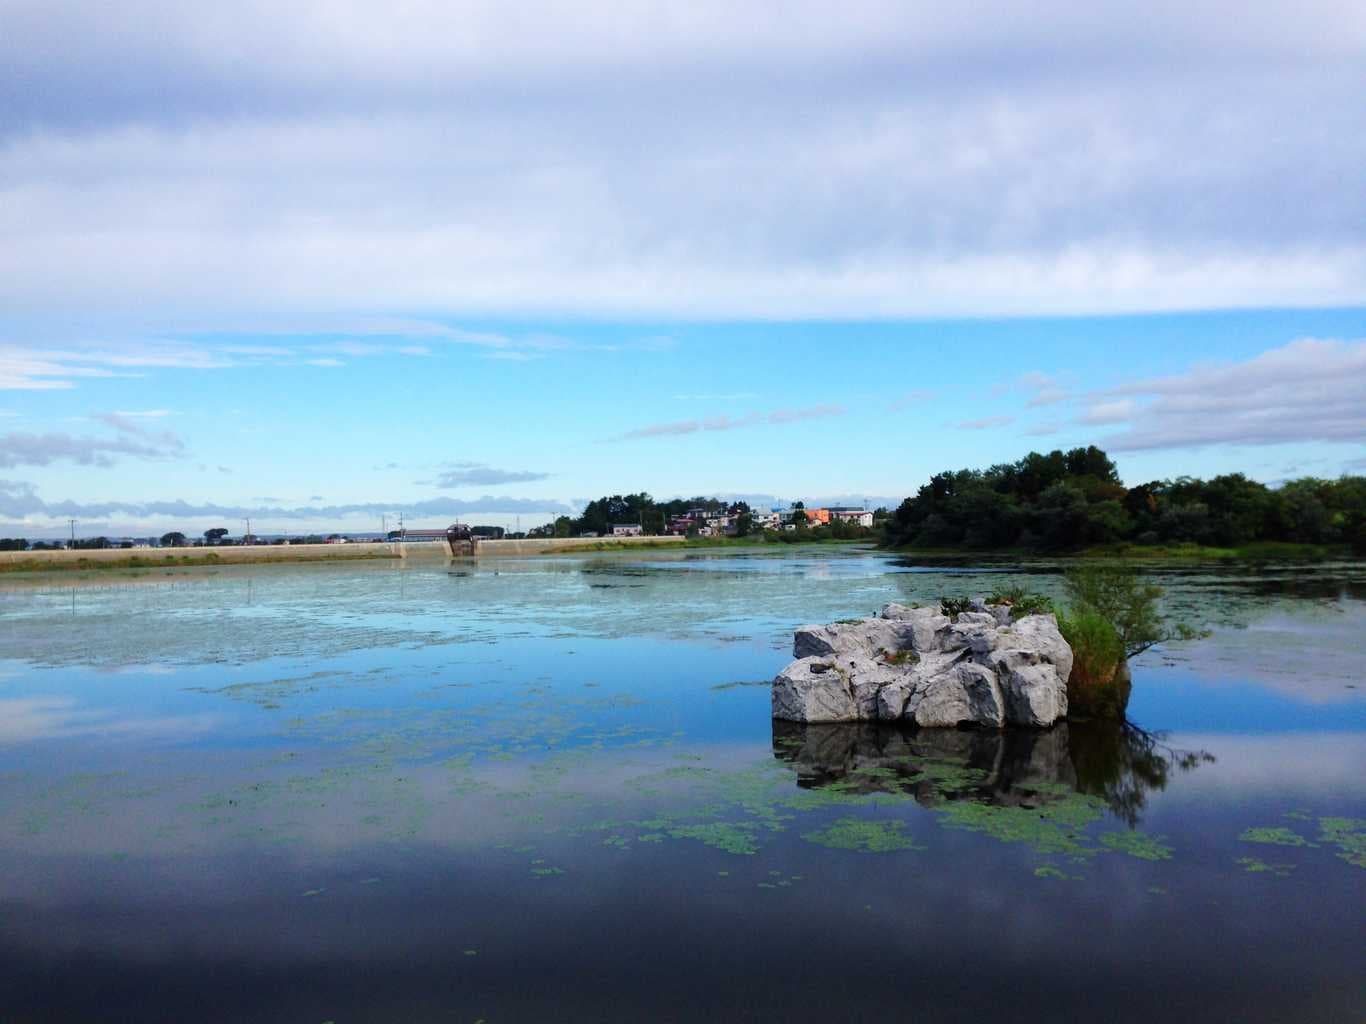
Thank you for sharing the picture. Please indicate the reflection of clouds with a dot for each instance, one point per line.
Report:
(26, 719)
(1323, 764)
(1310, 652)
(150, 669)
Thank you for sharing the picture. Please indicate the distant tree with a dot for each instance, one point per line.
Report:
(744, 524)
(215, 535)
(13, 544)
(174, 539)
(1069, 500)
(798, 515)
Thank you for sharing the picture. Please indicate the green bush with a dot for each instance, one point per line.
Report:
(1099, 684)
(954, 606)
(1021, 601)
(1120, 596)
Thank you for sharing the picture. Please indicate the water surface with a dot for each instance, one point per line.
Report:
(550, 789)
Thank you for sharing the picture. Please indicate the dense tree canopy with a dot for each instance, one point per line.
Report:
(600, 515)
(1068, 500)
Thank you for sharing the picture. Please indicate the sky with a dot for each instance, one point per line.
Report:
(320, 263)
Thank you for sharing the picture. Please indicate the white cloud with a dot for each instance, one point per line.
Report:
(23, 449)
(985, 423)
(20, 502)
(477, 474)
(880, 160)
(1117, 411)
(714, 423)
(1042, 388)
(1308, 390)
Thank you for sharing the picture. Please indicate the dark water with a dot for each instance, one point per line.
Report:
(552, 791)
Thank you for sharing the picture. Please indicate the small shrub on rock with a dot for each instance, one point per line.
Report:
(1021, 602)
(1099, 684)
(954, 606)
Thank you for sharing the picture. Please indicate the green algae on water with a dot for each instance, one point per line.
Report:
(732, 837)
(1273, 837)
(863, 836)
(1052, 871)
(1256, 866)
(1348, 835)
(1137, 844)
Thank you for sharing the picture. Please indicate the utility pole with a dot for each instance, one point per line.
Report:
(383, 527)
(247, 536)
(73, 533)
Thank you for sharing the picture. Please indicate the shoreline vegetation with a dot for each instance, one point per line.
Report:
(190, 557)
(1261, 551)
(1075, 502)
(39, 562)
(1069, 506)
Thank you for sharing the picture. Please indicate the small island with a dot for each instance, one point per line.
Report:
(924, 667)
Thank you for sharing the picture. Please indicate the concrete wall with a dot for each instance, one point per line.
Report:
(221, 556)
(40, 560)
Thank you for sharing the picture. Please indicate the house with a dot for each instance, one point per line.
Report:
(853, 516)
(626, 530)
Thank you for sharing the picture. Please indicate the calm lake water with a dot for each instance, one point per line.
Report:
(551, 790)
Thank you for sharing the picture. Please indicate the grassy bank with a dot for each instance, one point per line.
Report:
(38, 563)
(1263, 551)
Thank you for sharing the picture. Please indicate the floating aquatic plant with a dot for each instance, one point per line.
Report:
(1273, 837)
(1348, 835)
(863, 835)
(1255, 865)
(1137, 844)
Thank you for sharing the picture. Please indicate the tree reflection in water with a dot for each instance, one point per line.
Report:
(1119, 763)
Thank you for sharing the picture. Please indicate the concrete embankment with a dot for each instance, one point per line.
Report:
(152, 558)
(140, 558)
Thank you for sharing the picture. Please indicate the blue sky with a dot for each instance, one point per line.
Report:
(318, 261)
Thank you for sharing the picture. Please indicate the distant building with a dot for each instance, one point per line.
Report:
(411, 536)
(854, 516)
(627, 530)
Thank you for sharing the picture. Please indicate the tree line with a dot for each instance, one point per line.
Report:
(600, 515)
(1075, 499)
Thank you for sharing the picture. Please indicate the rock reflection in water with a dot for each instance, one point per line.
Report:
(1015, 767)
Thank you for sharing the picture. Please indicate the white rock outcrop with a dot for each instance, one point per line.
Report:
(918, 666)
